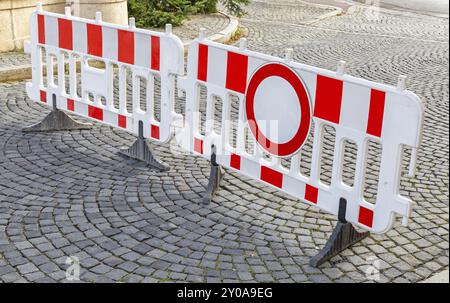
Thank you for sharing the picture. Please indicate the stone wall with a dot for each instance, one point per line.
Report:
(14, 16)
(114, 11)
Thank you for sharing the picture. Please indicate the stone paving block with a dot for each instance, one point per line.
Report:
(27, 268)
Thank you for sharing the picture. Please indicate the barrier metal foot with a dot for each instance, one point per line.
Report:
(215, 178)
(142, 151)
(56, 120)
(344, 236)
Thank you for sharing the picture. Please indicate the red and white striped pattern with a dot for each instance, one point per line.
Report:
(359, 110)
(352, 105)
(147, 54)
(122, 45)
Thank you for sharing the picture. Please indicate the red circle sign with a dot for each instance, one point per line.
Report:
(268, 89)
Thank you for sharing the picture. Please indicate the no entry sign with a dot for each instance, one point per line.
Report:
(278, 109)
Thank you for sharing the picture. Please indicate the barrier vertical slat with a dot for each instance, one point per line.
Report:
(274, 162)
(226, 105)
(109, 71)
(240, 143)
(61, 74)
(167, 103)
(135, 92)
(72, 76)
(38, 72)
(84, 94)
(316, 151)
(49, 75)
(210, 105)
(151, 97)
(387, 180)
(360, 168)
(294, 169)
(338, 155)
(122, 90)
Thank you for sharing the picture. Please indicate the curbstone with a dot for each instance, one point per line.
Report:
(223, 36)
(15, 73)
(336, 12)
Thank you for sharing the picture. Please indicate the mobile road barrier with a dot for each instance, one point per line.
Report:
(279, 105)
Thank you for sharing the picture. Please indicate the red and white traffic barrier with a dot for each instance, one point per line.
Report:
(279, 102)
(147, 54)
(293, 95)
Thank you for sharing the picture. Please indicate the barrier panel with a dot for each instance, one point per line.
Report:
(101, 48)
(295, 95)
(280, 106)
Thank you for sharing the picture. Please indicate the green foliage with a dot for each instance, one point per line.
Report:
(234, 7)
(157, 13)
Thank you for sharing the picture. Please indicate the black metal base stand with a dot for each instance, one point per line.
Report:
(215, 178)
(142, 151)
(56, 120)
(344, 236)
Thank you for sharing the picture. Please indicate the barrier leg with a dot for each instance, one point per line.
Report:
(215, 178)
(344, 236)
(142, 151)
(56, 120)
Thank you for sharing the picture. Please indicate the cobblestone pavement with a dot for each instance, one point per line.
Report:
(71, 194)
